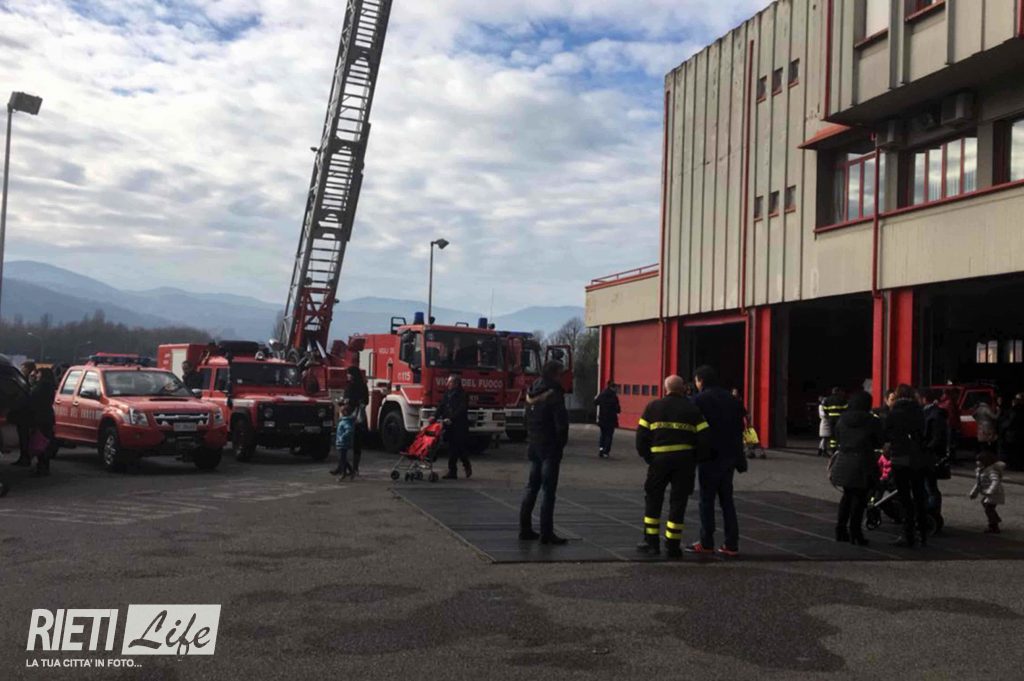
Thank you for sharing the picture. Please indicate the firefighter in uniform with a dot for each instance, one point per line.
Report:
(834, 407)
(672, 437)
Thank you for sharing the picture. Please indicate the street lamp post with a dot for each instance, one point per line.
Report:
(27, 104)
(74, 353)
(42, 346)
(441, 244)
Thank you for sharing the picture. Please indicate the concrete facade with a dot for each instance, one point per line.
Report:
(773, 193)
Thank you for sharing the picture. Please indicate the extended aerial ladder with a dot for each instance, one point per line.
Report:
(337, 180)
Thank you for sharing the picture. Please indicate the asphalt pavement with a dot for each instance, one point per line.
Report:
(321, 579)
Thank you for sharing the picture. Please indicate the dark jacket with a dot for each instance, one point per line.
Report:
(725, 415)
(608, 408)
(904, 432)
(193, 380)
(455, 408)
(1011, 431)
(673, 424)
(936, 427)
(41, 405)
(358, 395)
(547, 420)
(859, 433)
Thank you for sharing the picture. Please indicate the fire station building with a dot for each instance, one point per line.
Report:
(843, 205)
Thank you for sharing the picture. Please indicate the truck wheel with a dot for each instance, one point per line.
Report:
(207, 459)
(516, 435)
(243, 440)
(318, 450)
(393, 435)
(110, 449)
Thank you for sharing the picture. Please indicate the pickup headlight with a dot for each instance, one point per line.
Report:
(138, 418)
(323, 412)
(268, 412)
(218, 417)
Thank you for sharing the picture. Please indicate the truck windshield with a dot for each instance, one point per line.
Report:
(463, 350)
(143, 384)
(260, 373)
(530, 360)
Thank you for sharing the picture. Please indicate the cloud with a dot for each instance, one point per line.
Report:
(173, 144)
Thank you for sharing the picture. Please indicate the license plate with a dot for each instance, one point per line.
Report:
(185, 427)
(312, 429)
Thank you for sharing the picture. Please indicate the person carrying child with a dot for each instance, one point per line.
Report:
(343, 440)
(989, 484)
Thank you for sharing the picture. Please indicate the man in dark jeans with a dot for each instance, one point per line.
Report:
(453, 412)
(608, 410)
(724, 414)
(547, 426)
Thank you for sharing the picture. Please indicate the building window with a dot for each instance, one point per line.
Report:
(777, 81)
(853, 186)
(773, 204)
(987, 352)
(918, 5)
(1013, 352)
(794, 72)
(876, 17)
(1015, 152)
(944, 170)
(759, 208)
(762, 88)
(790, 198)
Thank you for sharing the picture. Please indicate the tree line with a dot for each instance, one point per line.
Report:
(64, 343)
(586, 346)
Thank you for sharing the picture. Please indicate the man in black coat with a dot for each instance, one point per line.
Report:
(904, 434)
(936, 444)
(453, 412)
(859, 434)
(547, 427)
(608, 410)
(724, 414)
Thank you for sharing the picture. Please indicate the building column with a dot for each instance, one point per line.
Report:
(673, 337)
(606, 351)
(759, 358)
(892, 356)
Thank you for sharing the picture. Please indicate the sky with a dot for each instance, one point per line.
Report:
(173, 145)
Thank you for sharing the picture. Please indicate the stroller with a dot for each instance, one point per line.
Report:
(884, 499)
(417, 461)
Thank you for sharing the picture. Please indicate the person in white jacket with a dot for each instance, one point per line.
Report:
(989, 485)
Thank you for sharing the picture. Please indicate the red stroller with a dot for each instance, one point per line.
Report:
(417, 461)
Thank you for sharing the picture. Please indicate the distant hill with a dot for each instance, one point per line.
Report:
(32, 289)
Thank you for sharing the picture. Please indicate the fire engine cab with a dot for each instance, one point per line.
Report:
(524, 359)
(262, 398)
(407, 371)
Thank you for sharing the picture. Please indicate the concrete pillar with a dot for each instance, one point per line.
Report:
(893, 360)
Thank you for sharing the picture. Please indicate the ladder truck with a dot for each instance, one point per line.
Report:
(335, 185)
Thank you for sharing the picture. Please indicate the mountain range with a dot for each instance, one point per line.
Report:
(32, 289)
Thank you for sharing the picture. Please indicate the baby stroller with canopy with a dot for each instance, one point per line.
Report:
(883, 499)
(417, 461)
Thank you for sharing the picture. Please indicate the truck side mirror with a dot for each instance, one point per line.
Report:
(196, 392)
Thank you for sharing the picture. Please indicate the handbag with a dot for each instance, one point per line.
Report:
(38, 443)
(750, 437)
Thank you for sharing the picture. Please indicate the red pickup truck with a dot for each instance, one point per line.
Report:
(131, 411)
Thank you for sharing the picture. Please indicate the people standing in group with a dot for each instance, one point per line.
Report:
(453, 412)
(672, 437)
(608, 410)
(357, 396)
(547, 428)
(1011, 434)
(882, 412)
(343, 437)
(904, 433)
(989, 485)
(949, 404)
(936, 433)
(833, 407)
(859, 435)
(724, 415)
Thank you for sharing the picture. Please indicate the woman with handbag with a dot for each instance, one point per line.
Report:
(357, 396)
(859, 434)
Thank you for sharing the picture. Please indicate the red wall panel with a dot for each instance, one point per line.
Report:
(634, 359)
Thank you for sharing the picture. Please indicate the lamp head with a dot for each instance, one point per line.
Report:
(440, 243)
(25, 103)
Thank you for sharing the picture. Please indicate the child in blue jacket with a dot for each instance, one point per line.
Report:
(343, 441)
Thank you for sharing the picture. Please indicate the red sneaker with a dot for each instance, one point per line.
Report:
(697, 547)
(727, 552)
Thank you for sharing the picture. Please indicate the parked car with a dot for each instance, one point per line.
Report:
(132, 411)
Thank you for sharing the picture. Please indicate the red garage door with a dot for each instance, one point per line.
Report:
(632, 359)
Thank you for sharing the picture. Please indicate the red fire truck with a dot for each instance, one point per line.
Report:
(262, 398)
(407, 369)
(524, 358)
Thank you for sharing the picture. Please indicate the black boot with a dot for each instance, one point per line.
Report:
(672, 549)
(650, 546)
(553, 540)
(842, 534)
(904, 540)
(452, 475)
(469, 470)
(527, 534)
(22, 461)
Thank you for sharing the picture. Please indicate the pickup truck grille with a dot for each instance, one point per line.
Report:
(293, 414)
(168, 420)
